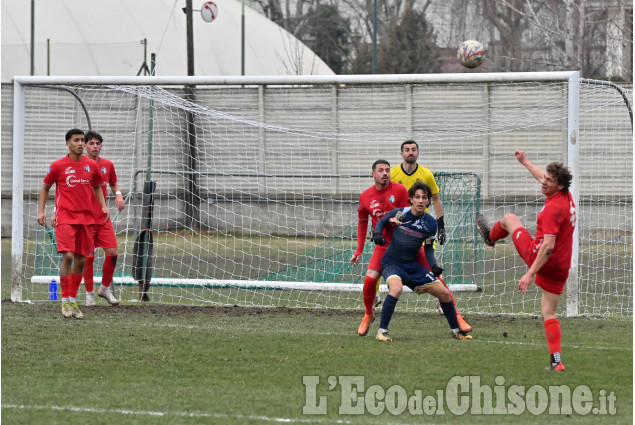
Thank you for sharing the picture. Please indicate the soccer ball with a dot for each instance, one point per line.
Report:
(209, 11)
(471, 53)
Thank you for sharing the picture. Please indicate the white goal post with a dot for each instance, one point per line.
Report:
(257, 180)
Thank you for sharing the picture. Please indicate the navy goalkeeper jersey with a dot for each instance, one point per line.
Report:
(407, 238)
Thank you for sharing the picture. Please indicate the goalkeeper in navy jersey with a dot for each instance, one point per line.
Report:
(413, 227)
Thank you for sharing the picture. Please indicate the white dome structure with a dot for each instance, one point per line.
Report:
(105, 37)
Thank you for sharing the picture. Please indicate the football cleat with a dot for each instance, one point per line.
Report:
(461, 335)
(384, 337)
(106, 294)
(463, 325)
(557, 367)
(90, 299)
(483, 229)
(67, 309)
(76, 312)
(365, 325)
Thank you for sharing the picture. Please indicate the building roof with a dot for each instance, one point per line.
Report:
(103, 37)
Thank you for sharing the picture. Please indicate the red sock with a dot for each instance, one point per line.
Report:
(552, 329)
(108, 270)
(369, 293)
(65, 284)
(76, 280)
(497, 232)
(88, 273)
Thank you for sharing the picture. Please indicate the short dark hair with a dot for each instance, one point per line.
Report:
(419, 185)
(93, 135)
(409, 142)
(380, 161)
(561, 173)
(70, 133)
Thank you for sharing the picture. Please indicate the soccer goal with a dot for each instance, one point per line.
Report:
(243, 190)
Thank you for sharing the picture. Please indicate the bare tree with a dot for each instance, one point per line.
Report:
(586, 35)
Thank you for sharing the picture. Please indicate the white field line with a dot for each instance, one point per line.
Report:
(311, 331)
(305, 420)
(174, 413)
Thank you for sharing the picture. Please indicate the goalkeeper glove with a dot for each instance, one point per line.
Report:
(437, 271)
(441, 231)
(379, 239)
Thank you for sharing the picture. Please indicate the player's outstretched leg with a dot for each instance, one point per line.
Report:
(484, 229)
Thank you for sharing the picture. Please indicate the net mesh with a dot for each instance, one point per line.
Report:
(258, 184)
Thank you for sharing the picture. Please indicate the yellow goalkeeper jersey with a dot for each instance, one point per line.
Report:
(397, 174)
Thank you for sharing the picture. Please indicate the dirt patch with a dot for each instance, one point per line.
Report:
(173, 310)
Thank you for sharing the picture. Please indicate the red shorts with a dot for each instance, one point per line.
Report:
(104, 235)
(375, 260)
(548, 278)
(75, 238)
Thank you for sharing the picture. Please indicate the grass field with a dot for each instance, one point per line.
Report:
(167, 364)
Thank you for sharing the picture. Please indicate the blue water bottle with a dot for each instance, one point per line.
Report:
(53, 291)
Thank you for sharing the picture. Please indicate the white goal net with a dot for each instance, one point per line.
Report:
(256, 182)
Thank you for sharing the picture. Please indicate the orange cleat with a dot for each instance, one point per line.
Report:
(463, 325)
(366, 321)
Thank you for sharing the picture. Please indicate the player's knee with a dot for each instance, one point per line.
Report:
(68, 257)
(510, 222)
(395, 287)
(444, 294)
(548, 314)
(373, 274)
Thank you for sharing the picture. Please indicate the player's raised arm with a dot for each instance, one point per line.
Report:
(535, 171)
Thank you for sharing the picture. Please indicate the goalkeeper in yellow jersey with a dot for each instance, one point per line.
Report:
(409, 172)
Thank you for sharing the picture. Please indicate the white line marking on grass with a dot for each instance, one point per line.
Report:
(178, 414)
(580, 347)
(309, 419)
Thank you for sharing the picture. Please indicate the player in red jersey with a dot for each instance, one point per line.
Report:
(376, 201)
(77, 180)
(104, 232)
(548, 255)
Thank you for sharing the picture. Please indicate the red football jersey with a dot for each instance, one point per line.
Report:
(74, 182)
(109, 177)
(376, 203)
(557, 218)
